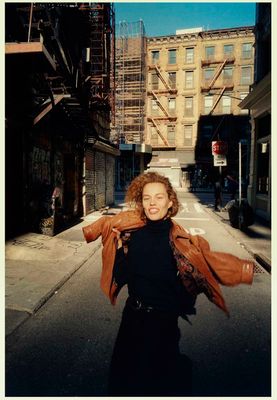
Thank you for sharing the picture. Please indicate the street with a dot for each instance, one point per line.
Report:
(64, 349)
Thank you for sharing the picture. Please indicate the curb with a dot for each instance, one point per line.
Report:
(45, 298)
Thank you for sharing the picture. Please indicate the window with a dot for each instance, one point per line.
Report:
(208, 74)
(171, 135)
(246, 50)
(155, 82)
(172, 80)
(228, 50)
(154, 107)
(188, 106)
(155, 56)
(245, 76)
(210, 52)
(263, 166)
(189, 55)
(171, 105)
(154, 136)
(188, 135)
(172, 56)
(243, 110)
(227, 75)
(208, 104)
(189, 79)
(226, 104)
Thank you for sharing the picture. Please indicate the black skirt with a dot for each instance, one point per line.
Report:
(146, 360)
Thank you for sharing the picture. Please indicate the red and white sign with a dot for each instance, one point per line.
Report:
(219, 147)
(220, 160)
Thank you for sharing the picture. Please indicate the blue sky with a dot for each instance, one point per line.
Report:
(165, 17)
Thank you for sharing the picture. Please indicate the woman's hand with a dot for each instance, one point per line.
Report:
(119, 240)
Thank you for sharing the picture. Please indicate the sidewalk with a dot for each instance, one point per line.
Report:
(256, 239)
(37, 265)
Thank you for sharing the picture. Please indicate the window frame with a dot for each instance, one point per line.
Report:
(208, 109)
(226, 109)
(243, 68)
(228, 53)
(153, 59)
(188, 142)
(171, 83)
(171, 100)
(171, 129)
(170, 58)
(188, 59)
(191, 81)
(247, 54)
(209, 56)
(191, 112)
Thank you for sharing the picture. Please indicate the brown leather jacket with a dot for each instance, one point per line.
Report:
(214, 267)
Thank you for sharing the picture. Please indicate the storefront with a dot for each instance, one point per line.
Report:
(259, 190)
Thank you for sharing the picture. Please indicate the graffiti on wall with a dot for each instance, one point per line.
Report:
(58, 169)
(40, 164)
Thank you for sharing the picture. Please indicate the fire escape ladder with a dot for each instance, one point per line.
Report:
(217, 100)
(162, 77)
(159, 132)
(217, 73)
(159, 104)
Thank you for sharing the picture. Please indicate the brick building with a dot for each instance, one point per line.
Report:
(195, 81)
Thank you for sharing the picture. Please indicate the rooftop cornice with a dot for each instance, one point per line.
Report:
(204, 34)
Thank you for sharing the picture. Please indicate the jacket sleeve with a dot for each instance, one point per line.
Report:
(100, 227)
(228, 269)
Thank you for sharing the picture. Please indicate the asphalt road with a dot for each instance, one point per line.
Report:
(65, 348)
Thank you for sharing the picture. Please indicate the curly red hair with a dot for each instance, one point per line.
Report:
(135, 189)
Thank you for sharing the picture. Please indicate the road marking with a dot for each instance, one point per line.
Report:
(185, 208)
(193, 219)
(198, 208)
(195, 231)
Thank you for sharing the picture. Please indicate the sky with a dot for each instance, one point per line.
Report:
(163, 18)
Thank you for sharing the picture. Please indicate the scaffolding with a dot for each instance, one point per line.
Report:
(130, 83)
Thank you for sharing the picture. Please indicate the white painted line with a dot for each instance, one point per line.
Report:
(192, 219)
(185, 208)
(198, 208)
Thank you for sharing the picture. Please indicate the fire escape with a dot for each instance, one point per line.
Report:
(98, 71)
(217, 87)
(155, 94)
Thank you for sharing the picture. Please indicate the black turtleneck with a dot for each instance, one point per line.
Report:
(151, 268)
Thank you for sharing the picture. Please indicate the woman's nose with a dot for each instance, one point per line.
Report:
(152, 202)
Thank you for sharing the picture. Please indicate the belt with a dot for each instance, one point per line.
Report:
(137, 305)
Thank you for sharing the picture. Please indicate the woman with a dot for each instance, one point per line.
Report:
(165, 268)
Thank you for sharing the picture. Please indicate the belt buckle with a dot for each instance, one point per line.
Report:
(138, 304)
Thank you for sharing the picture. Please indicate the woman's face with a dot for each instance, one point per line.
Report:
(155, 201)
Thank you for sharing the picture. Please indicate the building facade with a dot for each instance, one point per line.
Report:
(58, 101)
(259, 103)
(195, 81)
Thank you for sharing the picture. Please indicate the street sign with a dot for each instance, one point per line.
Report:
(220, 160)
(219, 147)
